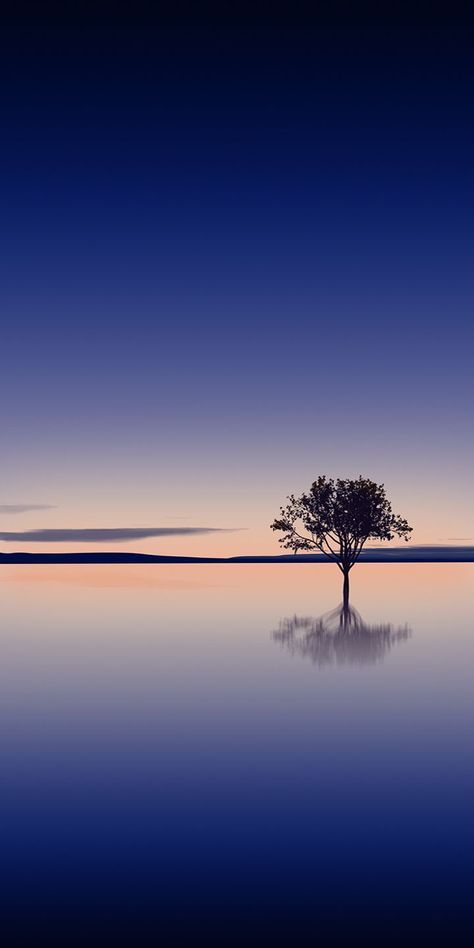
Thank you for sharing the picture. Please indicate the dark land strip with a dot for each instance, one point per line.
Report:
(414, 554)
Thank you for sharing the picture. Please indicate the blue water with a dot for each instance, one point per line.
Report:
(181, 757)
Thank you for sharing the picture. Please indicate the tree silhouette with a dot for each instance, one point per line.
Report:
(337, 517)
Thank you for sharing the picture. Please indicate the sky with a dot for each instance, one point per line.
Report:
(236, 253)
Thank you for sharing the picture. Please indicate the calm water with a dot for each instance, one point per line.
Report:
(194, 748)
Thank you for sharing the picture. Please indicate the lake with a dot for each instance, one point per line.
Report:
(207, 750)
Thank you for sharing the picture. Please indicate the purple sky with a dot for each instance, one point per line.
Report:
(235, 256)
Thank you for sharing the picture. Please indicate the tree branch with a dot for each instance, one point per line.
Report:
(331, 556)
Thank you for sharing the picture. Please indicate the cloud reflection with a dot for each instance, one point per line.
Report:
(339, 637)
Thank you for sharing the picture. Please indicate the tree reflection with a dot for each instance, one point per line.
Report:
(339, 637)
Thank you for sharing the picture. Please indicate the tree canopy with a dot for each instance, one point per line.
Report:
(337, 517)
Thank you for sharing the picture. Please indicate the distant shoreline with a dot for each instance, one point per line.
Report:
(414, 554)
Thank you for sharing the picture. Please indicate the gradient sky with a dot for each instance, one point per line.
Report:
(236, 253)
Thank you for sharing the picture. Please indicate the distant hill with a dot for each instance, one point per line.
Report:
(395, 554)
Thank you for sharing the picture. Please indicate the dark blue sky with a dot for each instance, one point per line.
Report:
(236, 253)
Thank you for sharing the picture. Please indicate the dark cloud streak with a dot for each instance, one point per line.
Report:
(104, 535)
(24, 508)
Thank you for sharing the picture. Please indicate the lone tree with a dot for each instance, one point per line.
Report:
(337, 518)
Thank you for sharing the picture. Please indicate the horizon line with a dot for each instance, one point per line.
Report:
(427, 553)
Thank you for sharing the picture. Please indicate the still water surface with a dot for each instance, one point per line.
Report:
(207, 749)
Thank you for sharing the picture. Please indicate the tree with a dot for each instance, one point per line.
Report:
(337, 517)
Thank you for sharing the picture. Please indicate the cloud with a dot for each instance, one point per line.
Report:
(105, 534)
(459, 539)
(23, 508)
